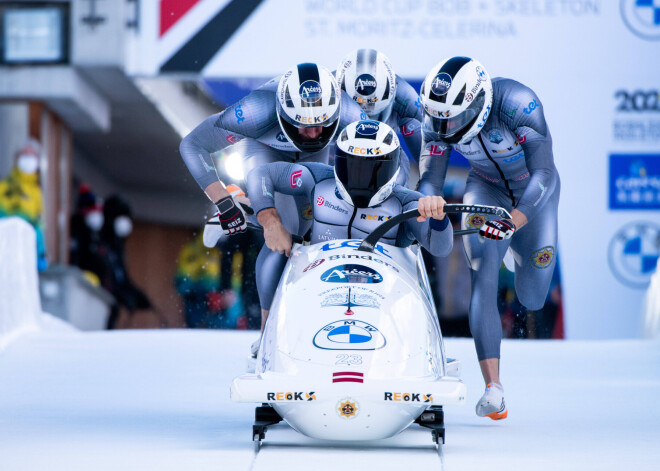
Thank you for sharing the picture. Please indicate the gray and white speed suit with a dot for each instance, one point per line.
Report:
(252, 129)
(335, 219)
(512, 166)
(406, 116)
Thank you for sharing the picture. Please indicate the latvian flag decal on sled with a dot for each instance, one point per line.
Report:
(348, 377)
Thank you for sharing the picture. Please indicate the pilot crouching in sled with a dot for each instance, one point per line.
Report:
(352, 198)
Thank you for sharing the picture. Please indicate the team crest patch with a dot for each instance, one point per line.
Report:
(474, 220)
(306, 212)
(347, 409)
(542, 258)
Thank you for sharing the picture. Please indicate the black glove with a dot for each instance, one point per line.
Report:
(231, 215)
(497, 230)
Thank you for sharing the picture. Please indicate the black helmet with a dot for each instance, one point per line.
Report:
(366, 163)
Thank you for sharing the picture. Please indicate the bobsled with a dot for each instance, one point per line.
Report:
(352, 348)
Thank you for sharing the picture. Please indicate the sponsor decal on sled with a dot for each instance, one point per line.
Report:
(348, 408)
(290, 396)
(353, 243)
(408, 397)
(351, 273)
(314, 264)
(349, 334)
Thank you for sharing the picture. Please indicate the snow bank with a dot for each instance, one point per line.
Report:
(20, 305)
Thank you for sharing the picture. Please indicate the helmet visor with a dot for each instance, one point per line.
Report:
(363, 177)
(446, 127)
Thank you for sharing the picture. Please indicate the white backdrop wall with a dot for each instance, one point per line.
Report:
(586, 59)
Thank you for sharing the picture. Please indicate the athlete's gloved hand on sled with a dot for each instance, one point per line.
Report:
(497, 230)
(231, 216)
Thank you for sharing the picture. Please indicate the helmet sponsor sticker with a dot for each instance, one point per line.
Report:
(351, 273)
(310, 92)
(365, 84)
(367, 128)
(349, 334)
(364, 150)
(441, 84)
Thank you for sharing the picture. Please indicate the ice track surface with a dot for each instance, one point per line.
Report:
(160, 400)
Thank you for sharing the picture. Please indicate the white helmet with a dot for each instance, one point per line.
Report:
(366, 163)
(367, 76)
(308, 96)
(457, 96)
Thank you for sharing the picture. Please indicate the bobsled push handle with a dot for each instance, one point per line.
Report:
(372, 239)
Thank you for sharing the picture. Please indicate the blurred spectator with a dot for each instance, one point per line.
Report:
(117, 225)
(219, 292)
(86, 224)
(20, 194)
(197, 281)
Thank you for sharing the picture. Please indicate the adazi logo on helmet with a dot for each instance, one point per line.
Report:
(365, 84)
(367, 128)
(441, 84)
(310, 92)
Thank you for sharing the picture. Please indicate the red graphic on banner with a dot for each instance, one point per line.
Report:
(171, 11)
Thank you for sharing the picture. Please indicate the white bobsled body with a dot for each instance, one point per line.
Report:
(352, 349)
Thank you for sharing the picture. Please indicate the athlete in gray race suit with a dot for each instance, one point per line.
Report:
(352, 199)
(508, 144)
(262, 128)
(368, 77)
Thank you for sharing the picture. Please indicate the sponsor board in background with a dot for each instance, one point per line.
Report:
(637, 115)
(634, 181)
(642, 17)
(633, 253)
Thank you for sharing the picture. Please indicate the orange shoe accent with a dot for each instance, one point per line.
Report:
(498, 415)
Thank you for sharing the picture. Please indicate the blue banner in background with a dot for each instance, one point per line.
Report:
(634, 181)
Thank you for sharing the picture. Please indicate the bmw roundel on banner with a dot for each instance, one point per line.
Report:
(351, 273)
(349, 335)
(633, 253)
